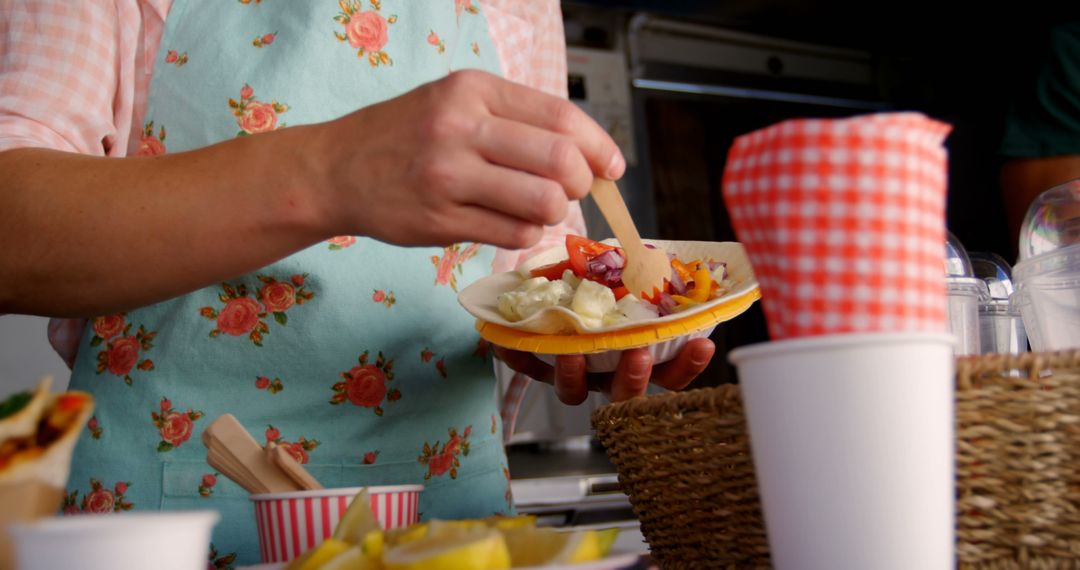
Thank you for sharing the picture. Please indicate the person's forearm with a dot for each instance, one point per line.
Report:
(85, 236)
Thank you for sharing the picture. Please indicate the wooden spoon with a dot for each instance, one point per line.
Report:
(645, 268)
(238, 449)
(280, 457)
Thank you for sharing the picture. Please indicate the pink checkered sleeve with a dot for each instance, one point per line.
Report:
(532, 51)
(61, 77)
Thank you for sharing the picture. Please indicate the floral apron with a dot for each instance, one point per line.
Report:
(353, 354)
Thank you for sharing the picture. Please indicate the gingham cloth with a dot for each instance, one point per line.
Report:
(844, 222)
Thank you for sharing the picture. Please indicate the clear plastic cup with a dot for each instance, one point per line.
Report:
(965, 295)
(1047, 277)
(1001, 327)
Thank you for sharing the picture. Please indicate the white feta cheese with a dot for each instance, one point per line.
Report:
(533, 296)
(592, 301)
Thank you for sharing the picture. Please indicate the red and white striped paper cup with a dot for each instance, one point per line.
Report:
(291, 523)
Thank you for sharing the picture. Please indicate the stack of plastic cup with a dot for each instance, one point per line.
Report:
(1047, 277)
(1001, 328)
(966, 293)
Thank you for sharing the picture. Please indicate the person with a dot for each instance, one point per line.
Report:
(1041, 139)
(266, 208)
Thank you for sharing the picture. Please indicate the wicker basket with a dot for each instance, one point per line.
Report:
(684, 460)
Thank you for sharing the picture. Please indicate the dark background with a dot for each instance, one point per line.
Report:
(963, 65)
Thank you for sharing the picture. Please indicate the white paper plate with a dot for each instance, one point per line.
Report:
(481, 298)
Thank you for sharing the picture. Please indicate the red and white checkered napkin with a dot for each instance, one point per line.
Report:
(844, 222)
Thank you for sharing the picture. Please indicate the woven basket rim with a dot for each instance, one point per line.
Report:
(715, 397)
(970, 369)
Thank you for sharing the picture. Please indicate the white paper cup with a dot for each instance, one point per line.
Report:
(852, 440)
(122, 541)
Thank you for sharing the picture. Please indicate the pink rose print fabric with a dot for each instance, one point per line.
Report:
(297, 449)
(446, 459)
(366, 32)
(338, 243)
(385, 297)
(435, 40)
(465, 5)
(254, 116)
(218, 562)
(371, 457)
(427, 355)
(174, 58)
(246, 316)
(95, 427)
(264, 40)
(509, 495)
(123, 352)
(273, 386)
(150, 145)
(175, 427)
(449, 264)
(100, 499)
(365, 385)
(207, 484)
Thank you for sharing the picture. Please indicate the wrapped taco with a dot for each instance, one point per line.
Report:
(38, 431)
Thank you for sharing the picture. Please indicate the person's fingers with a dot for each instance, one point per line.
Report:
(686, 366)
(467, 222)
(553, 156)
(526, 364)
(631, 375)
(514, 193)
(517, 102)
(571, 385)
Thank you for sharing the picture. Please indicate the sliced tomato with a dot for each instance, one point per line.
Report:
(580, 250)
(620, 292)
(654, 298)
(69, 402)
(551, 271)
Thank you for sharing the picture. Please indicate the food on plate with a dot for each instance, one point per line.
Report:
(589, 283)
(492, 543)
(31, 422)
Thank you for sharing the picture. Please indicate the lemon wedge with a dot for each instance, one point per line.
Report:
(530, 546)
(357, 521)
(451, 549)
(320, 555)
(505, 522)
(606, 538)
(354, 558)
(399, 536)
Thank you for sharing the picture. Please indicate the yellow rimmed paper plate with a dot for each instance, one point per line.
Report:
(558, 330)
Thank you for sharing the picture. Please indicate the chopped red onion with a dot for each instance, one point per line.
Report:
(678, 286)
(610, 258)
(667, 304)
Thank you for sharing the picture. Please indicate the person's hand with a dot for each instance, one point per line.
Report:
(470, 157)
(631, 378)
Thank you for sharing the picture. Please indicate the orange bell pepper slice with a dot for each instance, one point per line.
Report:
(702, 285)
